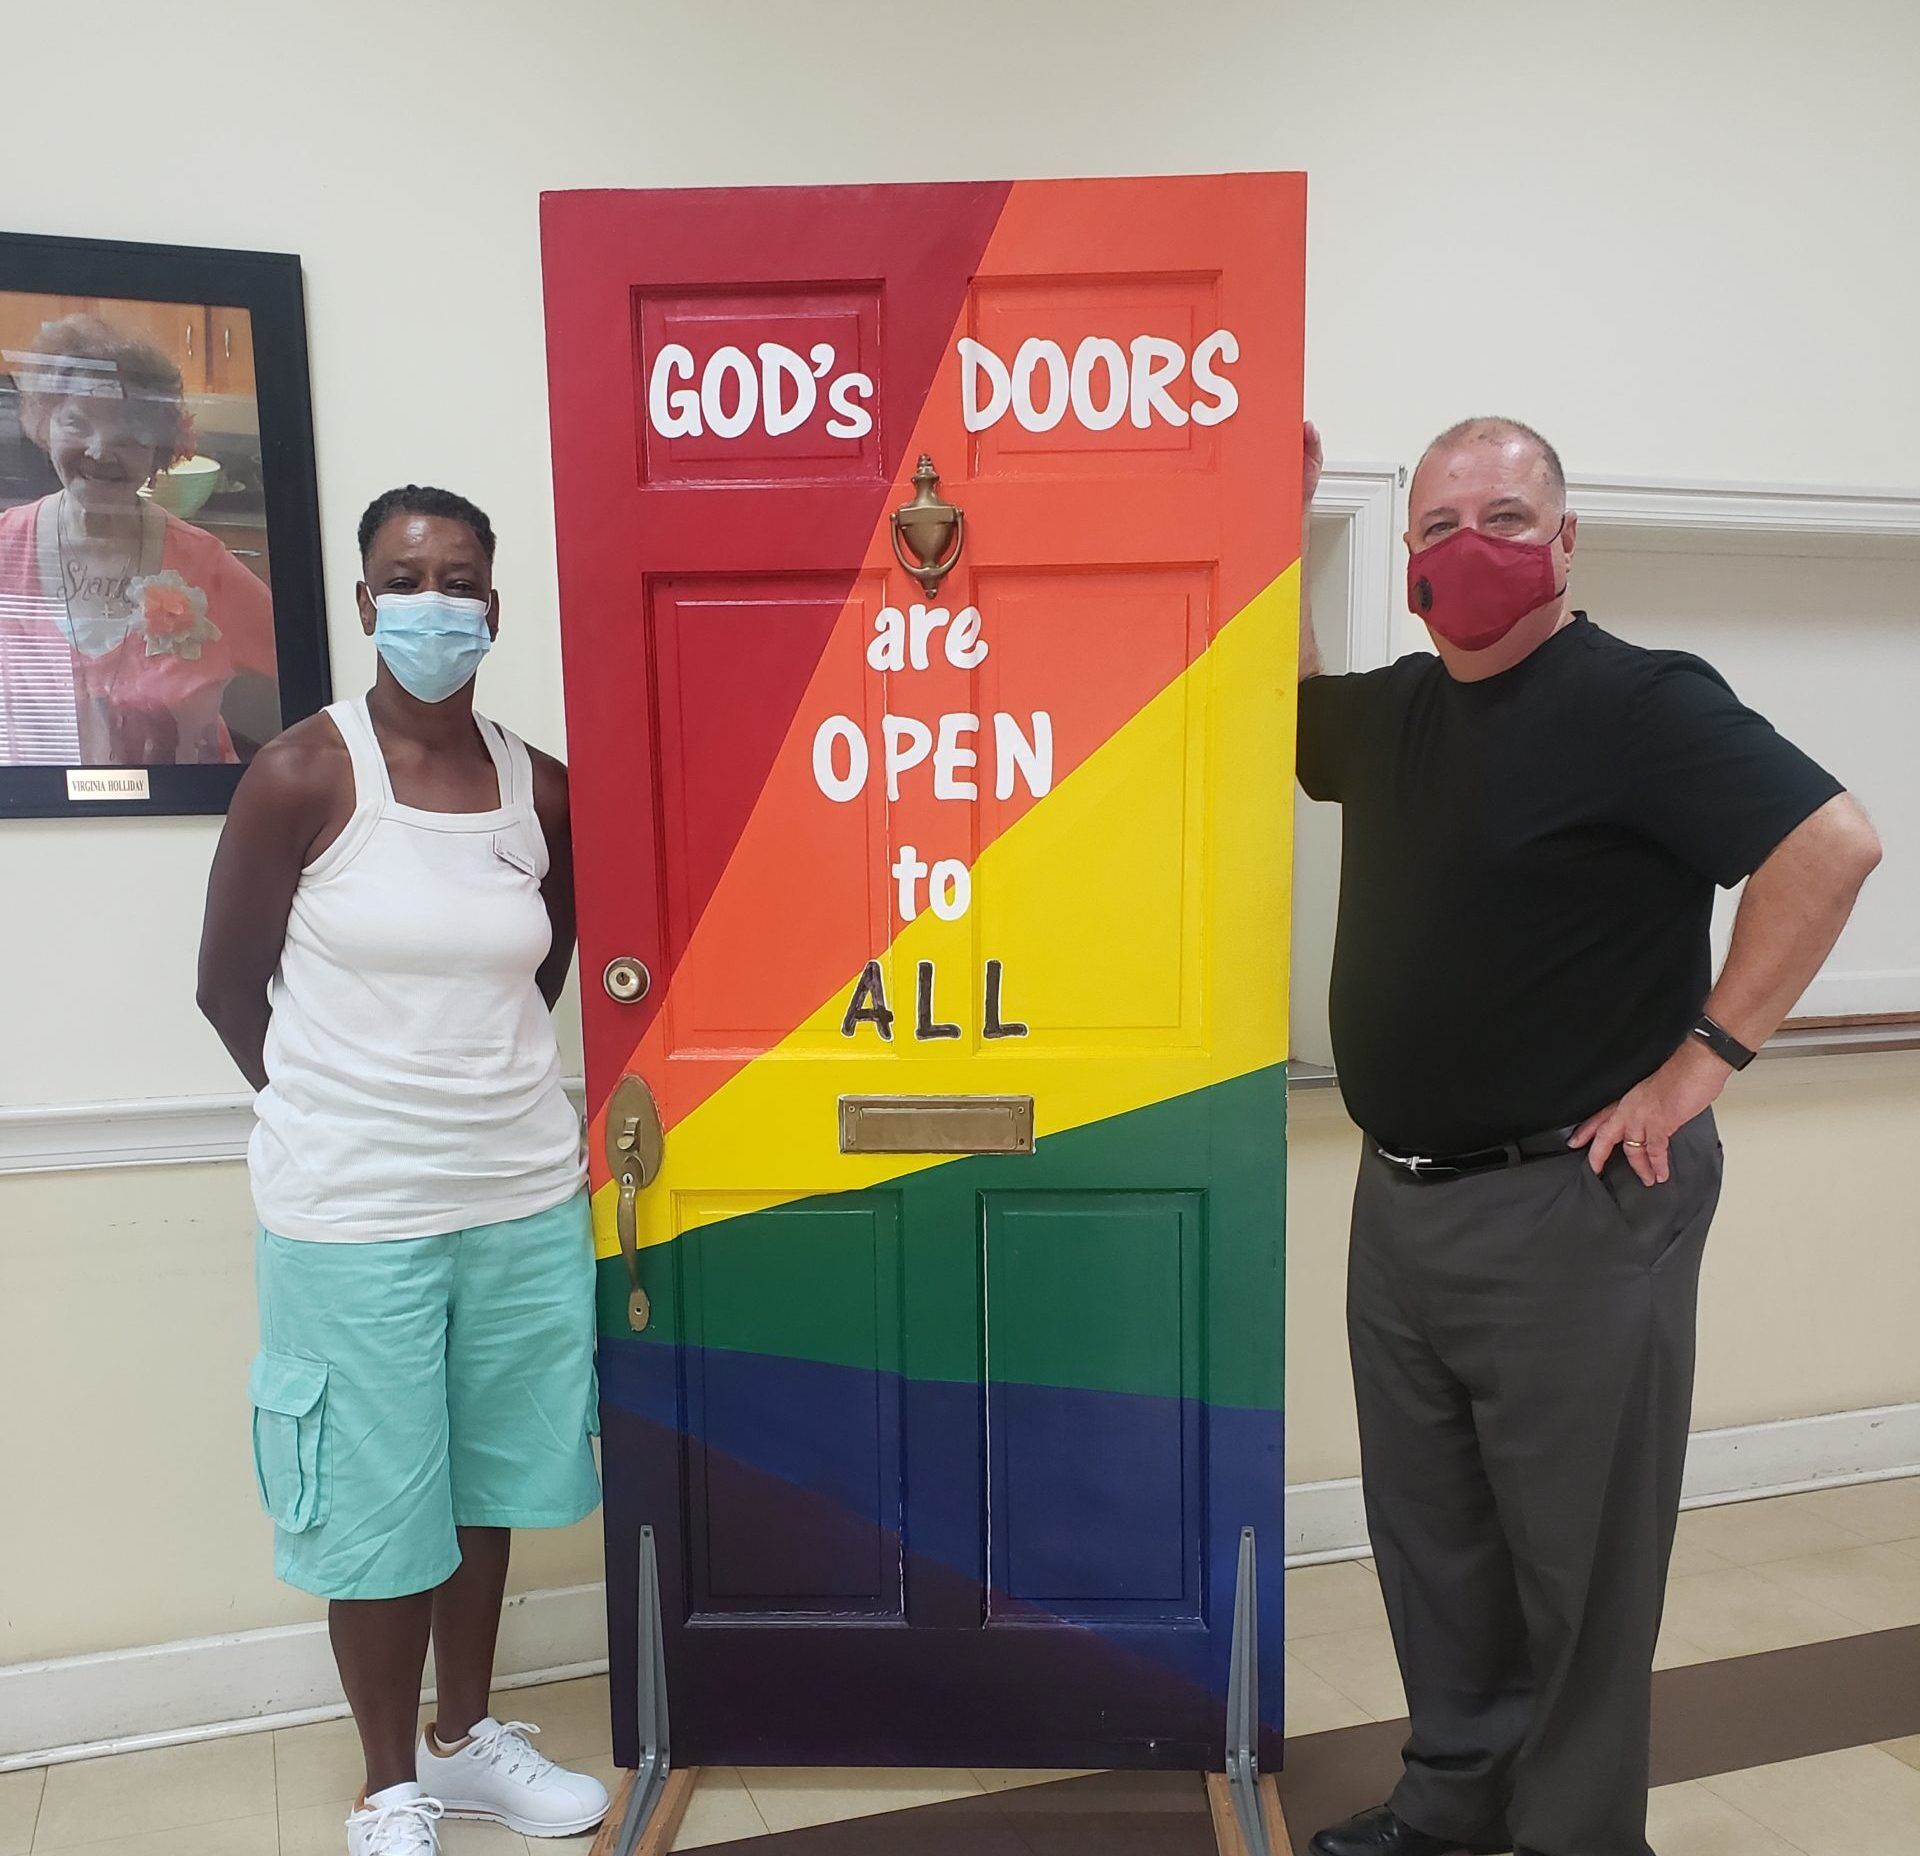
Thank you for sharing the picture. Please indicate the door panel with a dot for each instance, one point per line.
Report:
(1114, 1276)
(722, 643)
(1116, 313)
(833, 332)
(947, 1454)
(1129, 634)
(843, 1426)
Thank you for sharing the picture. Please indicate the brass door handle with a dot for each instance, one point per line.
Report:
(933, 529)
(639, 1309)
(635, 1145)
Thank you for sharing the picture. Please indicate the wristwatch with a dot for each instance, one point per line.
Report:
(1722, 1043)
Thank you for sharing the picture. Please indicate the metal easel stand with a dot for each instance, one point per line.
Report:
(656, 1797)
(1247, 1818)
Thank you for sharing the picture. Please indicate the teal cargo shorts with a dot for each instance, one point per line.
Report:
(407, 1389)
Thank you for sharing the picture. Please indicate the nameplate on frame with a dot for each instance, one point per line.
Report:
(107, 783)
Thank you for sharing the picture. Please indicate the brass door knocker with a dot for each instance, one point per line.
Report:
(933, 529)
(634, 1144)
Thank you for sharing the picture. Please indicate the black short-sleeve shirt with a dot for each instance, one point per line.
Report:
(1527, 875)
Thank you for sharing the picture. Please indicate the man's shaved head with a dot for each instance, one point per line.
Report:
(1502, 432)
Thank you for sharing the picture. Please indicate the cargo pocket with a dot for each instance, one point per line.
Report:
(289, 1397)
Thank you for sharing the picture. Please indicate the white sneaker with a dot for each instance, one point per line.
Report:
(498, 1776)
(396, 1822)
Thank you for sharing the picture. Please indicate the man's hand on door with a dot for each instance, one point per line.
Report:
(1312, 460)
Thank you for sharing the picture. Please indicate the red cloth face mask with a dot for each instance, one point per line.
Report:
(1474, 588)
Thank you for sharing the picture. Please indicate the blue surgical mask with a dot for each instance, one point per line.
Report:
(432, 642)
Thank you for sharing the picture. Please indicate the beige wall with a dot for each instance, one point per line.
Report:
(1660, 232)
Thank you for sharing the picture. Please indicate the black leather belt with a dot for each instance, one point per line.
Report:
(1482, 1160)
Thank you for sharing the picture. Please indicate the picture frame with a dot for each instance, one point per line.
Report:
(162, 610)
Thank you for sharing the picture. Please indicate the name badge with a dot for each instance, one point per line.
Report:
(510, 850)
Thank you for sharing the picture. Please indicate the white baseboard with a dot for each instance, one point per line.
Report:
(1749, 1461)
(1326, 1520)
(205, 1688)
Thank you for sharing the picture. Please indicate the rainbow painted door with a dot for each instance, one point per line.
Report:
(946, 1433)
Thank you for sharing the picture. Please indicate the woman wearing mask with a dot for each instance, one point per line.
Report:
(389, 921)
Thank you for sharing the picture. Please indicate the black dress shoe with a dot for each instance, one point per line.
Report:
(1379, 1833)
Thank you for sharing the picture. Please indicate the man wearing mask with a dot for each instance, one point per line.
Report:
(1528, 1033)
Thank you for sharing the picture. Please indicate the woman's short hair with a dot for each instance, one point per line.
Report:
(83, 357)
(422, 499)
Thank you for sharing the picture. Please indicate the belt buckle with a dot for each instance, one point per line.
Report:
(1411, 1163)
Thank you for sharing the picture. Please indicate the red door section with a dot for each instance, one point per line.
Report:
(928, 573)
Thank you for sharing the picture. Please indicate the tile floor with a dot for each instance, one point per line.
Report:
(1758, 1576)
(1750, 1577)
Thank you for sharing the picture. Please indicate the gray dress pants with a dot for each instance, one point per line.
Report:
(1523, 1346)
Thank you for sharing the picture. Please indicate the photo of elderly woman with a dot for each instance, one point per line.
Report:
(136, 622)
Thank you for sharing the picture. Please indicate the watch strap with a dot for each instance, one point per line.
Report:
(1724, 1045)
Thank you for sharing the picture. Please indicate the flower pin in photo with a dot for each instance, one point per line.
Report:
(173, 615)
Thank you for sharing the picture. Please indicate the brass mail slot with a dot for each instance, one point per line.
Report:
(936, 1124)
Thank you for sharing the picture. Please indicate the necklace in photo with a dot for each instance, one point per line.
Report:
(94, 703)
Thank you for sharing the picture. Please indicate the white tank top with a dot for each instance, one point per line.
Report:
(413, 1080)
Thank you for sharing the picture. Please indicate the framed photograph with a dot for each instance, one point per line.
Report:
(161, 611)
